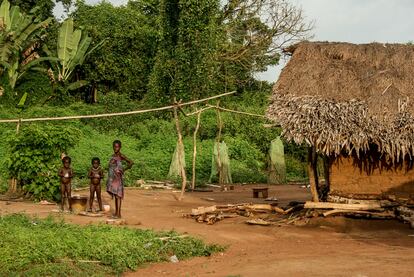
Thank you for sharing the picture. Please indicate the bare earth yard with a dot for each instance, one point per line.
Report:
(325, 247)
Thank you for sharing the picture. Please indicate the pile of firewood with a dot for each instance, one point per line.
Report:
(257, 213)
(391, 208)
(299, 212)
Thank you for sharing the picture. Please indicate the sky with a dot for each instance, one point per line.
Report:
(356, 21)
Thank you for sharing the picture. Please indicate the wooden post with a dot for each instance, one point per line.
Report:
(311, 173)
(195, 150)
(219, 165)
(326, 167)
(180, 151)
(13, 181)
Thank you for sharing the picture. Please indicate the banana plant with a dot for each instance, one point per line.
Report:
(20, 37)
(72, 49)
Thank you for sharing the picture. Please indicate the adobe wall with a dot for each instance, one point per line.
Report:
(347, 176)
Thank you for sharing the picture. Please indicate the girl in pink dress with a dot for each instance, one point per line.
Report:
(115, 183)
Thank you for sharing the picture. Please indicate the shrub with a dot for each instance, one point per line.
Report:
(34, 158)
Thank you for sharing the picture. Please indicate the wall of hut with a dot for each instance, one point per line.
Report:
(363, 178)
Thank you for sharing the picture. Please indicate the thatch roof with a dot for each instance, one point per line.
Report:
(348, 98)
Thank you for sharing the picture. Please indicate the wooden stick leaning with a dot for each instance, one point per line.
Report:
(195, 149)
(180, 150)
(219, 165)
(13, 181)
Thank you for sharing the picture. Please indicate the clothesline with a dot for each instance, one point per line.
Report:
(17, 120)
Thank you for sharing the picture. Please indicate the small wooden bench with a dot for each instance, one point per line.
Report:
(264, 191)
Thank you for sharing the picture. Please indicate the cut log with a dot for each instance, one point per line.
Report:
(280, 210)
(203, 210)
(266, 207)
(338, 206)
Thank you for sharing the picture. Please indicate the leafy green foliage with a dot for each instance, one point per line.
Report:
(185, 63)
(44, 8)
(124, 62)
(20, 37)
(46, 247)
(34, 158)
(73, 46)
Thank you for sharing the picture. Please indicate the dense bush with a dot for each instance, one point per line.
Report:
(34, 158)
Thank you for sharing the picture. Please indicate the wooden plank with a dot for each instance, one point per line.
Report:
(376, 214)
(338, 206)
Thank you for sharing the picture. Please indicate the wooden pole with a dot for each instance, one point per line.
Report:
(180, 151)
(13, 181)
(326, 167)
(195, 150)
(219, 165)
(311, 174)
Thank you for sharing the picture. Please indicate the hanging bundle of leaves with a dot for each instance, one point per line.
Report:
(277, 166)
(175, 169)
(220, 164)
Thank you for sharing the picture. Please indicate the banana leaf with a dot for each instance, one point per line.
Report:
(65, 42)
(77, 85)
(5, 13)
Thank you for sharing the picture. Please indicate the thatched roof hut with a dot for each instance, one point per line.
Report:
(348, 99)
(343, 97)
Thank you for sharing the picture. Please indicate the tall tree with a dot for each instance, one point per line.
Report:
(255, 33)
(124, 62)
(42, 9)
(184, 66)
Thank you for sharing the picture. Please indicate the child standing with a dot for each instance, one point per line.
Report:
(66, 175)
(115, 183)
(95, 174)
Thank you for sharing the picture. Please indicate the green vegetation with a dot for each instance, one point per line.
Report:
(34, 156)
(49, 247)
(153, 51)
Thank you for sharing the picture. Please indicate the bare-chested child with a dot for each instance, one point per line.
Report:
(95, 174)
(66, 175)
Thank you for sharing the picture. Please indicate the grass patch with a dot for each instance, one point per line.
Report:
(49, 247)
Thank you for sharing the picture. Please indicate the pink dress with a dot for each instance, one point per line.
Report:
(115, 183)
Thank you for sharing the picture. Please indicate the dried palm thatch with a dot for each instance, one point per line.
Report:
(348, 98)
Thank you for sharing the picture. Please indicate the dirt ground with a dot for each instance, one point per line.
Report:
(326, 247)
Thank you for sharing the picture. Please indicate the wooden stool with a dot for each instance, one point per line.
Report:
(264, 192)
